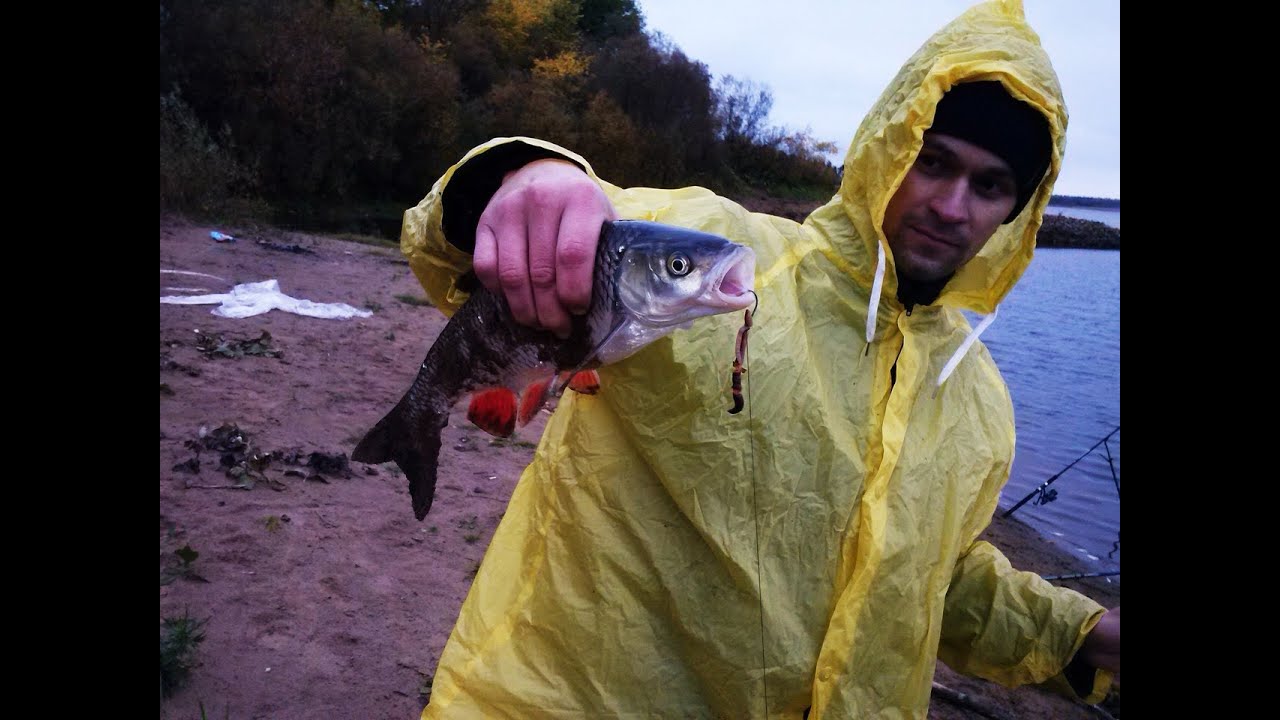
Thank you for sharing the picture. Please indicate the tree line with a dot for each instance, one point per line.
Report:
(322, 109)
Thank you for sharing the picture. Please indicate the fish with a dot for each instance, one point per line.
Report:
(649, 279)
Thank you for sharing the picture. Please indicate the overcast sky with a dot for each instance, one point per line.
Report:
(827, 62)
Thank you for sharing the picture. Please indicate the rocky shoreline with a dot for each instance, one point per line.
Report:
(1061, 231)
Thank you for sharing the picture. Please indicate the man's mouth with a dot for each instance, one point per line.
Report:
(935, 237)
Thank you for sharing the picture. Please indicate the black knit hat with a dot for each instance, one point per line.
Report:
(985, 114)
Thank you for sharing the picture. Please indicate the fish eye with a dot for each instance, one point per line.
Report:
(678, 264)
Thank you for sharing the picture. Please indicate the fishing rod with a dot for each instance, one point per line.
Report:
(1080, 575)
(1046, 483)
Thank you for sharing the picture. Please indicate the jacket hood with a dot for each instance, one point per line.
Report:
(990, 41)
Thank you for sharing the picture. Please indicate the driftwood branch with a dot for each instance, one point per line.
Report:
(956, 697)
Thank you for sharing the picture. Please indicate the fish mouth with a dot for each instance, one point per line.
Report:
(732, 281)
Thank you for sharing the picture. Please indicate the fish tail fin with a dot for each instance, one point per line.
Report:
(375, 447)
(415, 450)
(494, 411)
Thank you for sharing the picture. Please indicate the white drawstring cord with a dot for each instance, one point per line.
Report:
(876, 285)
(960, 352)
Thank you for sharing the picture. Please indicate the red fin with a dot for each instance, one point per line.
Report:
(534, 395)
(494, 411)
(586, 382)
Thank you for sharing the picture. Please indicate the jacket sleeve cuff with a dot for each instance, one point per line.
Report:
(1079, 679)
(474, 183)
(1088, 683)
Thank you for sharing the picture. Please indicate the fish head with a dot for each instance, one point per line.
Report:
(668, 276)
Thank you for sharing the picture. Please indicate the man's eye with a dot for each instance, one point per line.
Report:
(929, 162)
(994, 187)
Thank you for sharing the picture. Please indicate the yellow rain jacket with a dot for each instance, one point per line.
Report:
(663, 558)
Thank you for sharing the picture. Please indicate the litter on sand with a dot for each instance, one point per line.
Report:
(249, 299)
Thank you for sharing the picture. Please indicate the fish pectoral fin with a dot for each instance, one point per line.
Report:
(532, 399)
(586, 382)
(494, 411)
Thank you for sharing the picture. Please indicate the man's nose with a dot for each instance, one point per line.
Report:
(950, 201)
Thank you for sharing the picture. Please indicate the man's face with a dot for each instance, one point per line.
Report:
(948, 206)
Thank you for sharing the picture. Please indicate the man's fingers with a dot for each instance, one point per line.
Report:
(544, 230)
(576, 256)
(513, 274)
(536, 242)
(485, 258)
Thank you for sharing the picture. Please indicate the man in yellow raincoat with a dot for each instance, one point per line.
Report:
(816, 554)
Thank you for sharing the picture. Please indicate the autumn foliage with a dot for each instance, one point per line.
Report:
(306, 107)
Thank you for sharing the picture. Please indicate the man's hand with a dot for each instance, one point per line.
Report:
(1101, 647)
(536, 242)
